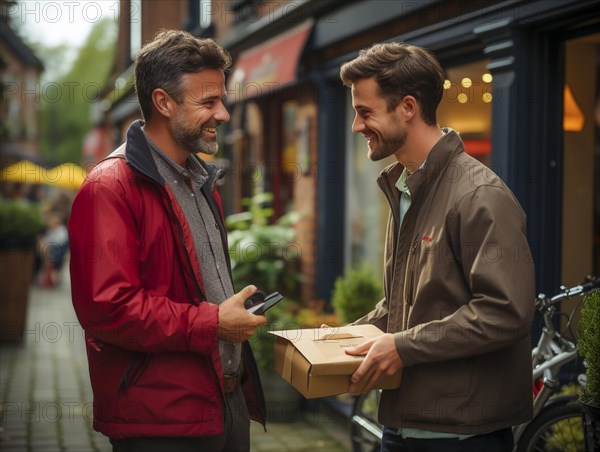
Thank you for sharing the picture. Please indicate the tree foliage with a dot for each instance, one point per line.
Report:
(69, 94)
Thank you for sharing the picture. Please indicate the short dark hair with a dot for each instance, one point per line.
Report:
(400, 70)
(162, 62)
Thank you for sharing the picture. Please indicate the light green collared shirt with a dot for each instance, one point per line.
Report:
(405, 198)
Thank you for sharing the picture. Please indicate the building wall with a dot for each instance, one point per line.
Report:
(154, 16)
(157, 14)
(520, 46)
(228, 19)
(20, 105)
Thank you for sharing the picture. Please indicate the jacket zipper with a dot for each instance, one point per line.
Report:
(409, 283)
(410, 270)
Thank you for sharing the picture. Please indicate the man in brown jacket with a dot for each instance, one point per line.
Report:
(458, 278)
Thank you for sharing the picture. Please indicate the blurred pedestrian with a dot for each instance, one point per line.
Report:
(459, 279)
(170, 365)
(53, 246)
(57, 202)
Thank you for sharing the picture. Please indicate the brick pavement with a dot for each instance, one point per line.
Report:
(46, 400)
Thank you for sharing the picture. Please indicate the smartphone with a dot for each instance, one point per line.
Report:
(263, 306)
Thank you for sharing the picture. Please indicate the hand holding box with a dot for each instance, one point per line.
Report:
(314, 360)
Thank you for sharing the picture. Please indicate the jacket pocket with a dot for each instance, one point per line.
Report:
(134, 370)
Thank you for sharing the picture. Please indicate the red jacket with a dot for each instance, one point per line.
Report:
(137, 290)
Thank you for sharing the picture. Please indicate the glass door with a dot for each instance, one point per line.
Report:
(581, 149)
(580, 245)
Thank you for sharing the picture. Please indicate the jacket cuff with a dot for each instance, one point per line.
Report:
(406, 352)
(203, 331)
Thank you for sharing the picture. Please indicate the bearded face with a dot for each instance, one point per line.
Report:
(194, 121)
(194, 137)
(382, 127)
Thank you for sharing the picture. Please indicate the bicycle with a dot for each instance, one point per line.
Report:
(558, 422)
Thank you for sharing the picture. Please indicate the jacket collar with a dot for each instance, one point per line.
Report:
(136, 152)
(440, 155)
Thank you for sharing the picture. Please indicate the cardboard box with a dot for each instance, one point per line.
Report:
(315, 363)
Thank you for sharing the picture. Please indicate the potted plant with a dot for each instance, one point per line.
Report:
(355, 294)
(20, 224)
(589, 348)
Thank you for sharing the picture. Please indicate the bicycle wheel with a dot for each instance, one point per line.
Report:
(558, 428)
(365, 430)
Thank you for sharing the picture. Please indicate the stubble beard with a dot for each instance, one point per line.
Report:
(387, 146)
(192, 139)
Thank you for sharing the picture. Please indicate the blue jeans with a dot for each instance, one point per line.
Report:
(498, 441)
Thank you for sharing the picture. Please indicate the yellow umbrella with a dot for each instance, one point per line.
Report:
(25, 172)
(67, 175)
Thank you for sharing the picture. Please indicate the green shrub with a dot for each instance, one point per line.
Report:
(589, 346)
(356, 294)
(20, 223)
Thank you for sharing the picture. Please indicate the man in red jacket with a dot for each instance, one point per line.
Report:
(169, 361)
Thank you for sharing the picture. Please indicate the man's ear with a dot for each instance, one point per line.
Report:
(408, 107)
(163, 102)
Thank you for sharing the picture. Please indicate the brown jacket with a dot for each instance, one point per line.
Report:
(459, 298)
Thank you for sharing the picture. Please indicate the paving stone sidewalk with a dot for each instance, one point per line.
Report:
(46, 399)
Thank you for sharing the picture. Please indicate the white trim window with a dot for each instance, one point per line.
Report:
(205, 13)
(135, 27)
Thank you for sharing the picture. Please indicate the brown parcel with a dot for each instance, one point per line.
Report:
(314, 362)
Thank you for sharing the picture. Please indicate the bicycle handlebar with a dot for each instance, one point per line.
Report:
(590, 284)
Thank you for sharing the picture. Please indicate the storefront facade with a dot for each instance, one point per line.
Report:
(521, 90)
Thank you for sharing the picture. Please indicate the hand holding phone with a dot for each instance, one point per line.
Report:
(259, 303)
(235, 325)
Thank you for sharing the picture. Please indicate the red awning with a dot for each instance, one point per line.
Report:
(268, 66)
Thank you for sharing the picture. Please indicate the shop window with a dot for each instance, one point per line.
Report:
(11, 110)
(289, 164)
(467, 107)
(30, 109)
(366, 207)
(581, 160)
(254, 173)
(244, 10)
